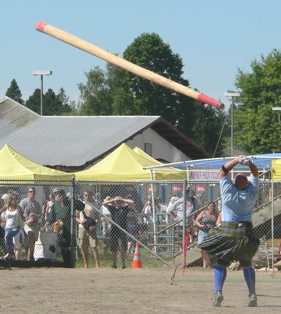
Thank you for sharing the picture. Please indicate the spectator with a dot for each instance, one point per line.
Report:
(18, 241)
(3, 200)
(147, 214)
(148, 221)
(176, 209)
(172, 200)
(61, 212)
(13, 219)
(32, 214)
(204, 222)
(46, 209)
(105, 222)
(18, 238)
(87, 237)
(119, 209)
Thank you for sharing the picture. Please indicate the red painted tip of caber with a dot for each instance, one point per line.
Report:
(209, 100)
(40, 26)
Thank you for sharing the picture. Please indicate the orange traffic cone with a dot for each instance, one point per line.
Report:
(136, 263)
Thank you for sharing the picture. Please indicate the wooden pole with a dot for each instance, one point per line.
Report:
(124, 64)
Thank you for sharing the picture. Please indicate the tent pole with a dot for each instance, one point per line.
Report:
(272, 225)
(153, 212)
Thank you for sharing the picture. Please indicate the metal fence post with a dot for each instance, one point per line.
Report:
(272, 225)
(184, 224)
(72, 226)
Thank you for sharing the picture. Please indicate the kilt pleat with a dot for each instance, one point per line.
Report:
(231, 242)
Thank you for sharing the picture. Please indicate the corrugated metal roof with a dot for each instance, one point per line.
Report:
(75, 140)
(79, 141)
(15, 114)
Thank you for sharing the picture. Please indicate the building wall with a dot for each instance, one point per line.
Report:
(161, 149)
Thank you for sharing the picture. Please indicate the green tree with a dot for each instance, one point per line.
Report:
(14, 92)
(257, 129)
(33, 101)
(95, 95)
(52, 104)
(118, 92)
(65, 107)
(75, 109)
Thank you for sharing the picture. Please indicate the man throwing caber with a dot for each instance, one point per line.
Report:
(235, 239)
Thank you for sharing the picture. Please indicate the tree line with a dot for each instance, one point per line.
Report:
(114, 91)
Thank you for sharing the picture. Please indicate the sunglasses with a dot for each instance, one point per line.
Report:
(30, 191)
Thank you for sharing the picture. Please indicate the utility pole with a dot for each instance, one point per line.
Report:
(232, 95)
(41, 74)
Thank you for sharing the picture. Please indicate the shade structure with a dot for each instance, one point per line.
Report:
(168, 173)
(264, 162)
(276, 170)
(15, 166)
(125, 164)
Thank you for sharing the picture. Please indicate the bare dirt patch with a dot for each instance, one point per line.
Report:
(106, 290)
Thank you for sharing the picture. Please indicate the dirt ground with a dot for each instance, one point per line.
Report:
(106, 290)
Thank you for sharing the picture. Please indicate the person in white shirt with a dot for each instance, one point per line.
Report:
(13, 219)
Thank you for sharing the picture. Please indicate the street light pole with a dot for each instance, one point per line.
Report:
(232, 95)
(41, 74)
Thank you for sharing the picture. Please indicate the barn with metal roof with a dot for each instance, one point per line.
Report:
(76, 142)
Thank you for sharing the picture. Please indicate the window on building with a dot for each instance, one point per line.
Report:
(148, 148)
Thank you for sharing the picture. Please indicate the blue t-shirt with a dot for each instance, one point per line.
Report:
(237, 205)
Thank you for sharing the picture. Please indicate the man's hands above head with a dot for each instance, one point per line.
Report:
(241, 159)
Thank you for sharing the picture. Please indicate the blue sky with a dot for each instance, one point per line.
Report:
(213, 37)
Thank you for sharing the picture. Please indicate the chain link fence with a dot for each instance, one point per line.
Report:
(36, 222)
(123, 214)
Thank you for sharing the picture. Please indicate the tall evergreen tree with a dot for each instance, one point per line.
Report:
(14, 92)
(52, 104)
(33, 101)
(65, 102)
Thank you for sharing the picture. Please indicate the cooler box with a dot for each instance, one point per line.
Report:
(46, 246)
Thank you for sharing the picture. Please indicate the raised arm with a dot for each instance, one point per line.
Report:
(253, 168)
(108, 201)
(128, 200)
(118, 198)
(228, 166)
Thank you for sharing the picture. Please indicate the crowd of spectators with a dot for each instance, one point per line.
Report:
(24, 216)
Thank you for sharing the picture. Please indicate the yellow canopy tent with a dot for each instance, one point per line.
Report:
(122, 164)
(14, 166)
(142, 153)
(276, 169)
(167, 172)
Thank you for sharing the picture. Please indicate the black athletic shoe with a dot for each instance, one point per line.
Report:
(113, 266)
(218, 299)
(253, 302)
(124, 266)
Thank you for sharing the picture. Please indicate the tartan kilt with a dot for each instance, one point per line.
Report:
(231, 241)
